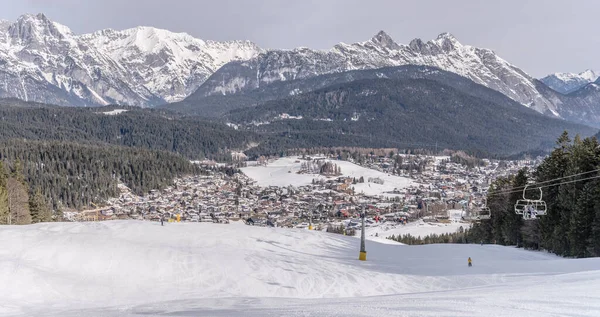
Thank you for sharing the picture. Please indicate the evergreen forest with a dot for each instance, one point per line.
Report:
(570, 182)
(58, 174)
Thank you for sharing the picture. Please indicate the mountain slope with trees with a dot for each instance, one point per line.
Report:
(74, 175)
(218, 105)
(144, 128)
(389, 113)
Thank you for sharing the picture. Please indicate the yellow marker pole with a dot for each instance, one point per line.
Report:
(363, 253)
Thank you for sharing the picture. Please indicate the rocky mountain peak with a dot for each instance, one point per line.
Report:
(590, 74)
(416, 45)
(447, 42)
(37, 28)
(382, 39)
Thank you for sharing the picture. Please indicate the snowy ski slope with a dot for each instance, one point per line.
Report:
(134, 268)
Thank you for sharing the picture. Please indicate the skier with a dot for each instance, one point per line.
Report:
(470, 264)
(162, 221)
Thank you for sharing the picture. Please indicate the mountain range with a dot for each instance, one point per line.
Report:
(43, 61)
(481, 65)
(568, 82)
(247, 80)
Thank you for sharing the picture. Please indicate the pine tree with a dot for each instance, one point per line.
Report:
(593, 243)
(17, 172)
(3, 176)
(553, 167)
(39, 209)
(581, 221)
(4, 211)
(582, 157)
(511, 227)
(498, 202)
(530, 231)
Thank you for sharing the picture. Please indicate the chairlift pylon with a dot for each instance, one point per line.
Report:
(530, 208)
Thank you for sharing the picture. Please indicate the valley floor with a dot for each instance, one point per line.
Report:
(135, 268)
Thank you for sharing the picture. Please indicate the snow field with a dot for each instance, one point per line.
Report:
(416, 229)
(127, 268)
(276, 173)
(114, 112)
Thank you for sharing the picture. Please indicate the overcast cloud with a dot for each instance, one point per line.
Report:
(541, 37)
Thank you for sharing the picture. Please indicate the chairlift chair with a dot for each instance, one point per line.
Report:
(484, 213)
(530, 208)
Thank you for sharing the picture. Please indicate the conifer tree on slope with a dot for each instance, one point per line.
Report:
(593, 243)
(585, 157)
(511, 227)
(553, 167)
(38, 207)
(582, 219)
(498, 204)
(4, 214)
(18, 196)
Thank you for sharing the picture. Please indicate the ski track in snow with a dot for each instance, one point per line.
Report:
(135, 268)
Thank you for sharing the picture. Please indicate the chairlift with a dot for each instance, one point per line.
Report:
(484, 213)
(530, 208)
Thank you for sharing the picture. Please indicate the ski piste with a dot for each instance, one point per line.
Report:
(132, 268)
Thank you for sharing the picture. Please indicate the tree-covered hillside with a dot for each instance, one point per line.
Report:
(205, 104)
(395, 113)
(74, 175)
(145, 128)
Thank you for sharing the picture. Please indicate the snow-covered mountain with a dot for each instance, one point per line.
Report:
(568, 82)
(582, 105)
(481, 65)
(41, 60)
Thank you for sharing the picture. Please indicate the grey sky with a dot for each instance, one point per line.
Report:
(541, 37)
